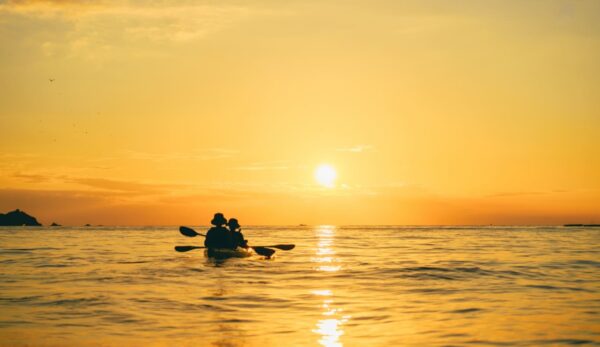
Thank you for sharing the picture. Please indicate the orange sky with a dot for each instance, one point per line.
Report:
(430, 112)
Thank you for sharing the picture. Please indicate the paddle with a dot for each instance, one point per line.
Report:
(189, 232)
(259, 250)
(192, 233)
(186, 248)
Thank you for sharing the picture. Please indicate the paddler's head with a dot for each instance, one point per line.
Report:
(233, 224)
(218, 220)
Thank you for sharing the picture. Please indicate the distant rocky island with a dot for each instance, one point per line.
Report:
(18, 218)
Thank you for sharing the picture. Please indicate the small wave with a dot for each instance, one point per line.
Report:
(15, 251)
(237, 320)
(73, 325)
(429, 276)
(440, 273)
(10, 323)
(489, 343)
(372, 318)
(454, 335)
(122, 318)
(555, 288)
(441, 269)
(587, 262)
(573, 342)
(133, 262)
(51, 265)
(214, 298)
(76, 302)
(26, 250)
(9, 261)
(466, 310)
(20, 300)
(433, 290)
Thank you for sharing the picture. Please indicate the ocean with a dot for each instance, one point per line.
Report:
(340, 286)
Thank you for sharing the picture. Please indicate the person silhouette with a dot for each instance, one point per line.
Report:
(218, 236)
(236, 233)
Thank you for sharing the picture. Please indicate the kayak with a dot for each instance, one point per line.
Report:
(224, 253)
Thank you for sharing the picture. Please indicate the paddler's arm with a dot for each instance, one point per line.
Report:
(209, 240)
(243, 241)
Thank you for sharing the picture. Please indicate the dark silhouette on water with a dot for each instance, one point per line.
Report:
(266, 251)
(236, 233)
(54, 224)
(18, 218)
(219, 236)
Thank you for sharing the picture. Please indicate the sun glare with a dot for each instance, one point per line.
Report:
(325, 175)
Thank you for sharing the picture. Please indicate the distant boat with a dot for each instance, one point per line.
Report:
(583, 225)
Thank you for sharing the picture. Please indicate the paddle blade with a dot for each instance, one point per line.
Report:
(264, 251)
(188, 231)
(186, 248)
(283, 247)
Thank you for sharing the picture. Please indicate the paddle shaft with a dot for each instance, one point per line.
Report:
(193, 233)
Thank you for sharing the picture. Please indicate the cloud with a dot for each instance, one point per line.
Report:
(99, 32)
(118, 205)
(37, 5)
(200, 155)
(31, 178)
(148, 20)
(357, 149)
(511, 194)
(265, 166)
(51, 9)
(76, 207)
(124, 186)
(98, 184)
(527, 194)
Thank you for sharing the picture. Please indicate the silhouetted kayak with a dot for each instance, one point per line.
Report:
(224, 253)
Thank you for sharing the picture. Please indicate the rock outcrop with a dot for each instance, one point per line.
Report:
(18, 218)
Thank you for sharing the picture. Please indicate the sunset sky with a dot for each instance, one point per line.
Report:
(430, 112)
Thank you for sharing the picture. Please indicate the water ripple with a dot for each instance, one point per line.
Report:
(352, 286)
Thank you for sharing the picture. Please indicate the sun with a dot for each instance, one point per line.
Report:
(325, 175)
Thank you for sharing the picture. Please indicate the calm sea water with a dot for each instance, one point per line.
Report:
(341, 286)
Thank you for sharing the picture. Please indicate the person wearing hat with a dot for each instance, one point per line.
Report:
(236, 233)
(219, 236)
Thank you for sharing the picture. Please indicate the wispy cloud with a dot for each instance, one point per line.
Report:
(31, 178)
(515, 194)
(40, 180)
(150, 20)
(255, 205)
(200, 155)
(124, 186)
(265, 166)
(98, 32)
(357, 149)
(49, 7)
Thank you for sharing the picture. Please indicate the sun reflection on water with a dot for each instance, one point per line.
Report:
(330, 327)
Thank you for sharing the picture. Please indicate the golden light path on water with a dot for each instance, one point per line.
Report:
(330, 327)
